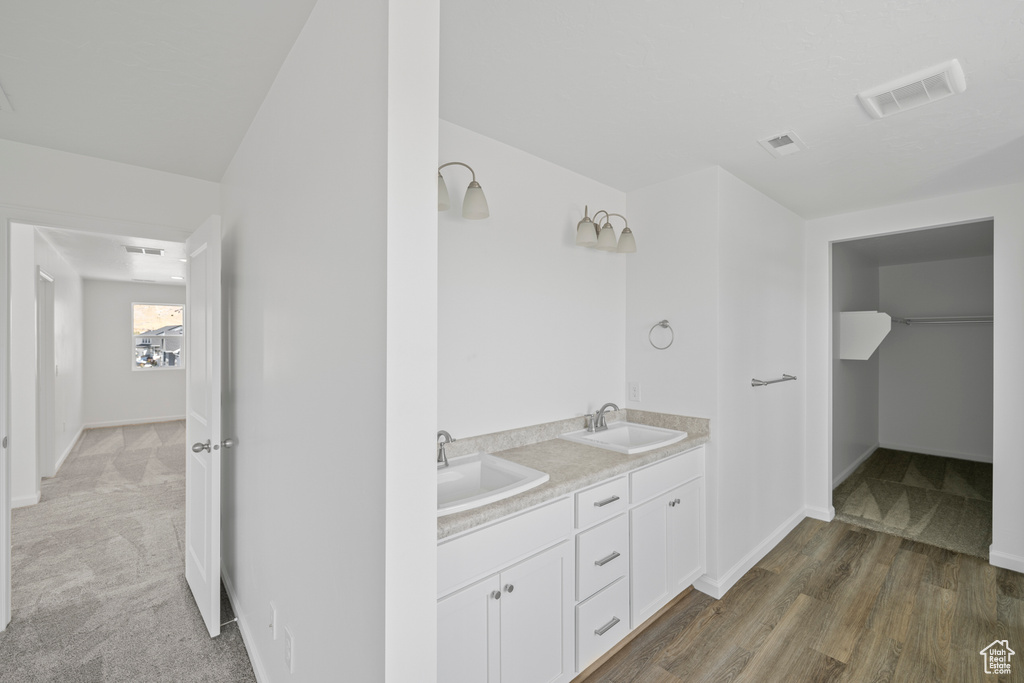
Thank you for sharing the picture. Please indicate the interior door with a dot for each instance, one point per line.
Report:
(202, 422)
(5, 462)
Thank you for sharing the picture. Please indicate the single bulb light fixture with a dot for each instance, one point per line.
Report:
(474, 204)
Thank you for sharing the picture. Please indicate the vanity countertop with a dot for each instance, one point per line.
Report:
(570, 466)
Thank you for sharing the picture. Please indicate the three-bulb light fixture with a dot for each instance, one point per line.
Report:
(474, 204)
(589, 234)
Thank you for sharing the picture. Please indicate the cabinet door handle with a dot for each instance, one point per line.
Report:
(606, 501)
(605, 560)
(607, 627)
(496, 595)
(509, 588)
(673, 503)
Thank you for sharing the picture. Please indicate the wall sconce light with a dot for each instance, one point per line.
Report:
(474, 205)
(590, 233)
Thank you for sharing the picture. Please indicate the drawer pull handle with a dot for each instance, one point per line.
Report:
(607, 627)
(606, 501)
(605, 560)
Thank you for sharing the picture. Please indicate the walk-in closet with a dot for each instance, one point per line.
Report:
(912, 398)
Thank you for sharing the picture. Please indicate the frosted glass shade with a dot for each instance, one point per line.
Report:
(606, 238)
(627, 243)
(586, 233)
(443, 202)
(475, 204)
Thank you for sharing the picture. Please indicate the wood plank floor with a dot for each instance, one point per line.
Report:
(835, 602)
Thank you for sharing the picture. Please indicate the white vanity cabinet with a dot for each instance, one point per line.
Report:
(539, 596)
(666, 532)
(515, 625)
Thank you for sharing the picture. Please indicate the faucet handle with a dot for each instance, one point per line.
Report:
(588, 422)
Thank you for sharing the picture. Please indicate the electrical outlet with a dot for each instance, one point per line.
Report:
(289, 651)
(634, 391)
(273, 619)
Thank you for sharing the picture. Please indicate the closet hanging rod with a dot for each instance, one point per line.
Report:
(946, 320)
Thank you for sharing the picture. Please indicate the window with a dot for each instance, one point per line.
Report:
(158, 331)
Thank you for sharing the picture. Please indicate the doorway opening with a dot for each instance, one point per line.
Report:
(912, 385)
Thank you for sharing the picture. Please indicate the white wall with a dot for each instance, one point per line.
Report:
(855, 382)
(935, 381)
(723, 264)
(330, 385)
(29, 252)
(67, 319)
(60, 189)
(114, 392)
(531, 328)
(760, 334)
(1006, 206)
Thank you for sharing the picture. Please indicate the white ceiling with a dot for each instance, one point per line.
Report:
(103, 257)
(965, 240)
(169, 85)
(632, 93)
(628, 93)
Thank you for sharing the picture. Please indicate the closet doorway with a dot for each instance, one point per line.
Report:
(912, 418)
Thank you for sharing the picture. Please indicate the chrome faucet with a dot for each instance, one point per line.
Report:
(441, 455)
(598, 424)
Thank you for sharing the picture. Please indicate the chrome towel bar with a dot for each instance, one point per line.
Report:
(764, 383)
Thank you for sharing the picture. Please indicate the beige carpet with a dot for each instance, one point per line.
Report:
(939, 501)
(99, 591)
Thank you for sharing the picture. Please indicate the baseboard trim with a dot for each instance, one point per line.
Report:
(935, 451)
(1005, 560)
(717, 588)
(243, 628)
(67, 451)
(823, 514)
(26, 501)
(134, 421)
(845, 474)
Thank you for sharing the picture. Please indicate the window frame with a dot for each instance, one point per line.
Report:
(131, 321)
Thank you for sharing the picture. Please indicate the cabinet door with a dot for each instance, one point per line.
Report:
(648, 558)
(537, 629)
(468, 635)
(683, 534)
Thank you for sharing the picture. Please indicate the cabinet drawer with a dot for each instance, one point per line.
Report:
(665, 474)
(492, 548)
(601, 502)
(602, 555)
(601, 622)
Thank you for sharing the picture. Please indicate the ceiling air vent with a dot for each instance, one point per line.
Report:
(148, 251)
(909, 92)
(783, 144)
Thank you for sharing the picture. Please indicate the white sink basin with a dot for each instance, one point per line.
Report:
(626, 437)
(479, 479)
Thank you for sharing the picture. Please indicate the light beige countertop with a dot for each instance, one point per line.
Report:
(570, 466)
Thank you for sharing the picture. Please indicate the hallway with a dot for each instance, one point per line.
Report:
(99, 591)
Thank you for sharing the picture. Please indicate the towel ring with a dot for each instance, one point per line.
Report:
(663, 323)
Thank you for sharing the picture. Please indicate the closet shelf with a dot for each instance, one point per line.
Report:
(860, 333)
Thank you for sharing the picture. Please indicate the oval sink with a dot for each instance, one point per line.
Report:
(626, 437)
(479, 479)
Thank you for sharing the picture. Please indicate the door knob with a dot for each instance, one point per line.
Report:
(227, 443)
(199, 447)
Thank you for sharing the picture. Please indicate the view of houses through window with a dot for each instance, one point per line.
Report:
(158, 331)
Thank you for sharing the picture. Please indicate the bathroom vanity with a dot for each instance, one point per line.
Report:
(536, 594)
